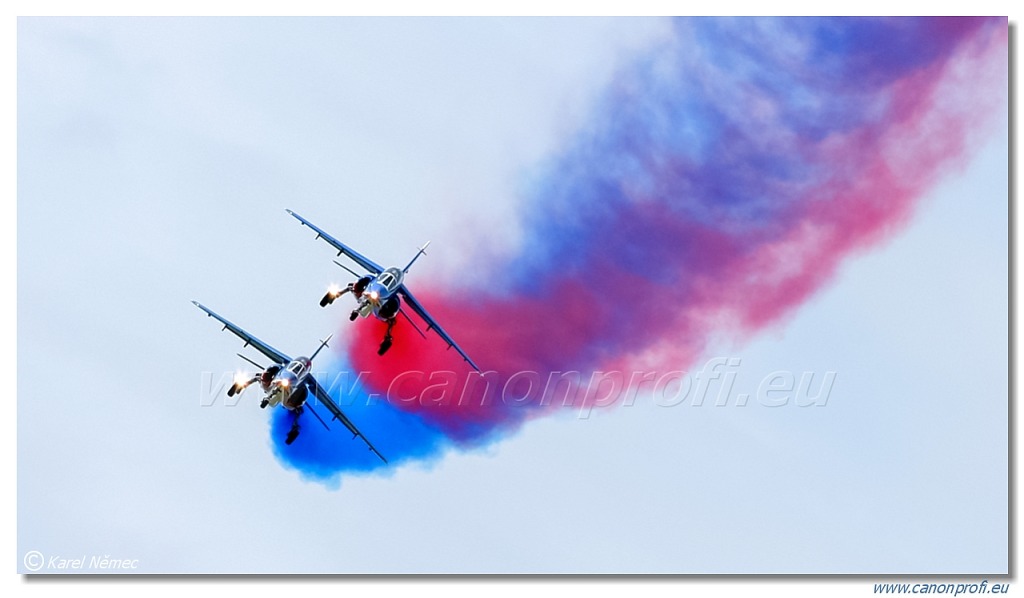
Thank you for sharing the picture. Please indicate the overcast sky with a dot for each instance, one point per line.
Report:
(155, 160)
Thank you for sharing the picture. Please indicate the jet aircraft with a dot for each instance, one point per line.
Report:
(380, 292)
(288, 382)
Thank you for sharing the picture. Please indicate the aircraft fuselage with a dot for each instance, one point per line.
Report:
(380, 297)
(285, 386)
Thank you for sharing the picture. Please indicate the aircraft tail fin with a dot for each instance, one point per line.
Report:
(323, 344)
(422, 251)
(251, 361)
(350, 270)
(311, 410)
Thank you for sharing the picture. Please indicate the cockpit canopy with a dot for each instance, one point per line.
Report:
(390, 279)
(298, 367)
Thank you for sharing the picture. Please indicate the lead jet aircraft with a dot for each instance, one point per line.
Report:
(288, 382)
(380, 292)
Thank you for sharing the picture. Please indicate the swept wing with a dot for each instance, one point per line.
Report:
(326, 400)
(343, 249)
(272, 353)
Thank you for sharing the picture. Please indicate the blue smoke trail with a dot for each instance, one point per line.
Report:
(322, 455)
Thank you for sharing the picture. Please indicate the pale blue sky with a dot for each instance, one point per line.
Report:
(156, 159)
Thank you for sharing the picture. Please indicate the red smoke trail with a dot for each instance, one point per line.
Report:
(681, 216)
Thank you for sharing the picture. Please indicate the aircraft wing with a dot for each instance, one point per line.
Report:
(275, 355)
(432, 324)
(343, 249)
(326, 400)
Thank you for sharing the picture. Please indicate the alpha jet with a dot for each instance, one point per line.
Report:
(380, 292)
(288, 383)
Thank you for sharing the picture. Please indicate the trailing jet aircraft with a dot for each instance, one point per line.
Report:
(288, 383)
